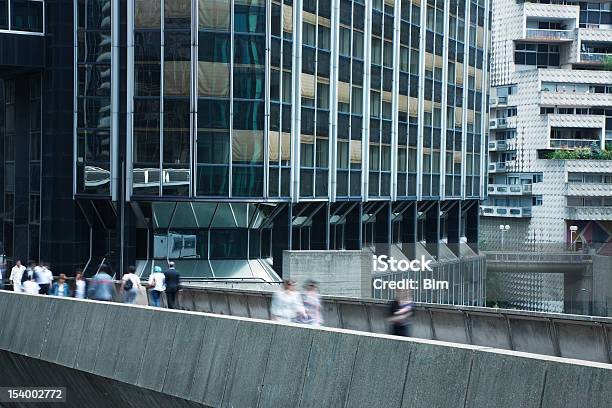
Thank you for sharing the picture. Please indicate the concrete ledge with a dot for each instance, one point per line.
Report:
(583, 337)
(148, 356)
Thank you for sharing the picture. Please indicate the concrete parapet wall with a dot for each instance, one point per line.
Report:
(104, 351)
(580, 337)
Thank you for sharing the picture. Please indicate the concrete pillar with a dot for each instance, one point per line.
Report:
(319, 232)
(432, 229)
(408, 231)
(353, 228)
(453, 224)
(471, 224)
(382, 229)
(281, 237)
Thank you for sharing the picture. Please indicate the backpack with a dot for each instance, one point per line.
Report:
(128, 284)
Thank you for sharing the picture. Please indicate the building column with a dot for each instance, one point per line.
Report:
(21, 140)
(319, 232)
(281, 237)
(453, 224)
(353, 228)
(382, 230)
(472, 221)
(408, 231)
(432, 229)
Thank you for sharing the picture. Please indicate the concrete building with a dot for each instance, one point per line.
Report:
(218, 133)
(550, 93)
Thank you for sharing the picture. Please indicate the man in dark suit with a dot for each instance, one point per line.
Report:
(173, 280)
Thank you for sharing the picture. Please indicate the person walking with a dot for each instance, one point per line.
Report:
(60, 288)
(173, 280)
(312, 304)
(287, 305)
(31, 287)
(2, 274)
(44, 278)
(157, 285)
(130, 285)
(401, 313)
(17, 276)
(80, 286)
(102, 286)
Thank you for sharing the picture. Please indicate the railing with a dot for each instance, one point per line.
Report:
(498, 123)
(498, 145)
(538, 257)
(505, 211)
(594, 56)
(539, 33)
(509, 189)
(571, 143)
(497, 167)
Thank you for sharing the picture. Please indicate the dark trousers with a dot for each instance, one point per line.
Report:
(171, 298)
(44, 289)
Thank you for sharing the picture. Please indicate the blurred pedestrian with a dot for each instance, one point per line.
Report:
(401, 313)
(60, 288)
(17, 276)
(157, 284)
(102, 286)
(31, 287)
(80, 286)
(2, 274)
(130, 285)
(44, 278)
(173, 280)
(312, 304)
(287, 305)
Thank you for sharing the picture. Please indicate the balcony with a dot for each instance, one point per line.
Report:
(498, 146)
(497, 167)
(498, 123)
(505, 211)
(498, 101)
(594, 57)
(571, 143)
(509, 189)
(545, 35)
(589, 213)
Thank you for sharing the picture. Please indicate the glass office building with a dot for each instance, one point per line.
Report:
(221, 132)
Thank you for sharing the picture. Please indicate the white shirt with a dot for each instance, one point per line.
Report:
(17, 274)
(31, 287)
(38, 274)
(135, 280)
(47, 277)
(287, 306)
(160, 281)
(80, 289)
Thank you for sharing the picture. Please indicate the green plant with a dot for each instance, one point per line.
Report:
(584, 153)
(607, 63)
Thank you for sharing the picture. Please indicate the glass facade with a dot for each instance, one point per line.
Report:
(284, 100)
(93, 97)
(298, 110)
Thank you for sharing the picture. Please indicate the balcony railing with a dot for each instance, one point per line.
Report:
(505, 211)
(594, 56)
(571, 143)
(498, 145)
(498, 123)
(497, 167)
(544, 34)
(509, 189)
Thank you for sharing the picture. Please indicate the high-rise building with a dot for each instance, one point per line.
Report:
(219, 133)
(551, 120)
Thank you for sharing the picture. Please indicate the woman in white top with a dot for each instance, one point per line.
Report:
(80, 290)
(130, 285)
